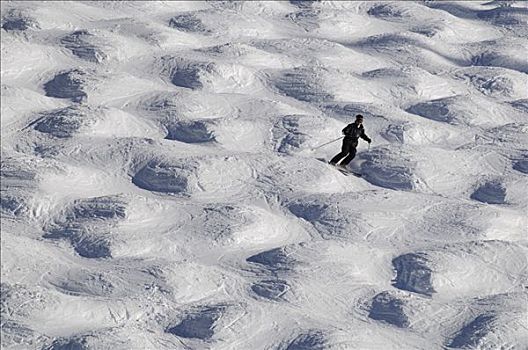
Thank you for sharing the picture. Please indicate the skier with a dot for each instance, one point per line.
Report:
(352, 134)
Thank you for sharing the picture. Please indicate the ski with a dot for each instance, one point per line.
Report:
(343, 171)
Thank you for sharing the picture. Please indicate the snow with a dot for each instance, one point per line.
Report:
(161, 187)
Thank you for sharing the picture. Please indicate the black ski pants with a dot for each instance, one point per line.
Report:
(348, 151)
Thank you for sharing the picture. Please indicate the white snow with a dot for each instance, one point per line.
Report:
(161, 187)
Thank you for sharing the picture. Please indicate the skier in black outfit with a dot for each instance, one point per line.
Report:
(352, 134)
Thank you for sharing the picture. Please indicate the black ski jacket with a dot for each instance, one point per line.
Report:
(354, 132)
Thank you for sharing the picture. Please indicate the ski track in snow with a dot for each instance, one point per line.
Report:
(160, 189)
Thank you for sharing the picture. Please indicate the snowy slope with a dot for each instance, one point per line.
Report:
(161, 188)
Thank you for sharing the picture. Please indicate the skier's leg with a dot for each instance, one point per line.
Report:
(338, 157)
(344, 151)
(350, 156)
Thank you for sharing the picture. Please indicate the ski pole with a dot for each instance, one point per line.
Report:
(324, 144)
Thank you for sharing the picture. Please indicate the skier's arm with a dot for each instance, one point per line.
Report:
(346, 130)
(364, 136)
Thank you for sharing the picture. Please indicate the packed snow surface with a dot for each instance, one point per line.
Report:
(161, 187)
